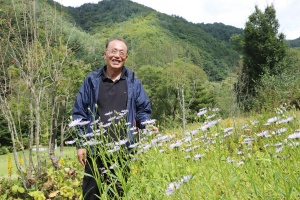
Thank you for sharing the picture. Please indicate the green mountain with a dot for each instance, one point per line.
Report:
(154, 38)
(294, 43)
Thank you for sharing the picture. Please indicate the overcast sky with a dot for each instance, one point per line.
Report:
(229, 12)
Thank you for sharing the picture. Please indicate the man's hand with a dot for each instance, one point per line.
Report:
(155, 129)
(81, 154)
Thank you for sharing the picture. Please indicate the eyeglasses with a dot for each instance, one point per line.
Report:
(115, 51)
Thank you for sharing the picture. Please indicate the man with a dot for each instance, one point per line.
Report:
(110, 88)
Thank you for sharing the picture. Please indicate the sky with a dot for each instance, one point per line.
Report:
(229, 12)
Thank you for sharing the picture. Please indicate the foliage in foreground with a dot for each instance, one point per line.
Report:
(232, 159)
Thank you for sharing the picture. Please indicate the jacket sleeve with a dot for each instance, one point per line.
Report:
(143, 106)
(80, 110)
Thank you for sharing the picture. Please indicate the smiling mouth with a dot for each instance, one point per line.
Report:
(116, 61)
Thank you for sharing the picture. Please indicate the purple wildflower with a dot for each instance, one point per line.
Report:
(294, 135)
(271, 120)
(74, 123)
(70, 142)
(109, 113)
(133, 145)
(202, 112)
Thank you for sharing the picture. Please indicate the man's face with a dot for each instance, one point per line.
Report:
(116, 54)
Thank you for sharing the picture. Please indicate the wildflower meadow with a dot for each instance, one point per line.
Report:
(236, 158)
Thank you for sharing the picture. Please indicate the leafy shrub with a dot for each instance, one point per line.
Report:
(5, 149)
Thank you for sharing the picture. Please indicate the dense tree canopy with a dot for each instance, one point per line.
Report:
(264, 49)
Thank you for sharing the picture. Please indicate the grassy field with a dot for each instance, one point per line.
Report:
(254, 158)
(69, 153)
(238, 158)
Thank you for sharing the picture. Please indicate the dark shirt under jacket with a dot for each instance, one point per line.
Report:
(112, 98)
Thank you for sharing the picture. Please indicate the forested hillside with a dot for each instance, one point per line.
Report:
(152, 34)
(294, 43)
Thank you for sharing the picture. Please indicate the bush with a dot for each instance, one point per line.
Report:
(5, 150)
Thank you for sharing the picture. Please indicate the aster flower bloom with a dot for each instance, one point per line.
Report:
(112, 118)
(294, 135)
(285, 120)
(116, 148)
(277, 150)
(170, 191)
(70, 142)
(124, 111)
(230, 160)
(113, 166)
(188, 139)
(265, 133)
(106, 125)
(197, 156)
(91, 143)
(109, 113)
(294, 144)
(121, 142)
(216, 110)
(175, 185)
(245, 126)
(133, 128)
(211, 116)
(254, 122)
(94, 122)
(88, 135)
(281, 130)
(271, 120)
(127, 124)
(119, 117)
(239, 153)
(82, 123)
(248, 139)
(103, 170)
(149, 122)
(134, 145)
(147, 146)
(210, 124)
(240, 163)
(186, 178)
(278, 144)
(202, 111)
(228, 129)
(74, 123)
(144, 132)
(177, 144)
(228, 134)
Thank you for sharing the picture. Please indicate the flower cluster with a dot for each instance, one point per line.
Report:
(175, 185)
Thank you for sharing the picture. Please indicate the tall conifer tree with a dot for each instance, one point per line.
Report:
(264, 49)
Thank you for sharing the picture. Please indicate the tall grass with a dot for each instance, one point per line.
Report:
(256, 159)
(244, 158)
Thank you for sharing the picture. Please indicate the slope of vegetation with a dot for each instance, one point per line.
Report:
(117, 18)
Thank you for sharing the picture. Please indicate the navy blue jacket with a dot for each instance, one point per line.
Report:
(138, 104)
